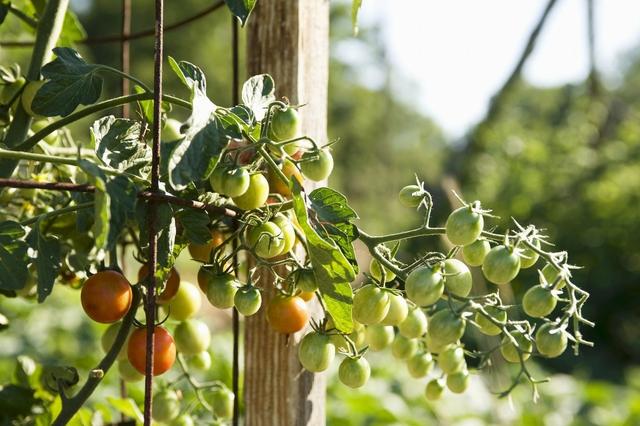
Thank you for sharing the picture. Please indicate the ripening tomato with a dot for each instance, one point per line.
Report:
(376, 272)
(528, 256)
(256, 195)
(247, 300)
(410, 196)
(379, 336)
(284, 125)
(127, 372)
(222, 403)
(221, 290)
(164, 354)
(485, 326)
(539, 301)
(170, 288)
(109, 336)
(457, 278)
(240, 152)
(202, 252)
(106, 296)
(171, 130)
(501, 265)
(398, 310)
(192, 336)
(414, 325)
(306, 280)
(464, 226)
(166, 406)
(28, 94)
(434, 389)
(307, 296)
(370, 304)
(475, 252)
(317, 166)
(266, 240)
(452, 359)
(509, 350)
(287, 314)
(403, 348)
(446, 327)
(458, 382)
(276, 185)
(186, 303)
(316, 352)
(424, 285)
(551, 341)
(420, 364)
(288, 233)
(354, 372)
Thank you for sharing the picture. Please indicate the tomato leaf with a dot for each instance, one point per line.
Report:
(168, 251)
(71, 82)
(195, 225)
(241, 9)
(102, 202)
(72, 30)
(127, 406)
(118, 144)
(333, 271)
(146, 106)
(13, 256)
(47, 260)
(16, 401)
(257, 93)
(123, 195)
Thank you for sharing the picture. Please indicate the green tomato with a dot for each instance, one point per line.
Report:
(378, 336)
(171, 130)
(475, 252)
(408, 196)
(216, 178)
(186, 303)
(354, 372)
(420, 365)
(398, 310)
(28, 94)
(38, 125)
(370, 304)
(306, 280)
(256, 195)
(528, 257)
(434, 390)
(200, 361)
(222, 403)
(424, 285)
(10, 91)
(248, 300)
(233, 182)
(221, 290)
(501, 265)
(284, 125)
(464, 226)
(434, 346)
(452, 359)
(288, 232)
(550, 340)
(166, 406)
(458, 382)
(509, 350)
(485, 326)
(550, 274)
(184, 420)
(319, 168)
(445, 327)
(267, 240)
(316, 352)
(127, 372)
(414, 325)
(403, 348)
(357, 336)
(109, 336)
(374, 270)
(457, 278)
(192, 337)
(539, 301)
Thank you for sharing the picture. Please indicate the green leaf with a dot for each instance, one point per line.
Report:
(355, 9)
(118, 144)
(47, 260)
(190, 75)
(194, 158)
(127, 406)
(344, 234)
(13, 256)
(4, 11)
(123, 195)
(16, 401)
(195, 225)
(71, 82)
(146, 106)
(333, 271)
(257, 93)
(241, 8)
(331, 206)
(168, 251)
(72, 30)
(102, 202)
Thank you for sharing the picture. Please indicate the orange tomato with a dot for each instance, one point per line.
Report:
(287, 314)
(277, 185)
(202, 252)
(170, 289)
(164, 354)
(106, 296)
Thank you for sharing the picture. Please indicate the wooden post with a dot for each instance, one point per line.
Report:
(288, 39)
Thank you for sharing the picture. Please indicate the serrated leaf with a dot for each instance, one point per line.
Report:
(257, 93)
(13, 256)
(333, 271)
(241, 9)
(118, 145)
(128, 407)
(344, 234)
(195, 225)
(331, 206)
(71, 82)
(125, 194)
(47, 260)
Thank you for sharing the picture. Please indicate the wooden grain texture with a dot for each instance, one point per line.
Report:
(288, 39)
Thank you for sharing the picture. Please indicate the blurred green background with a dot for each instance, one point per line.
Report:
(564, 158)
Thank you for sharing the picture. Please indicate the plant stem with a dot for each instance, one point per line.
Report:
(72, 405)
(57, 212)
(23, 16)
(127, 76)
